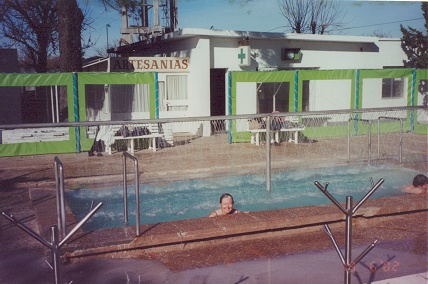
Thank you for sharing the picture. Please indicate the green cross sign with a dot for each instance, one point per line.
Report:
(242, 56)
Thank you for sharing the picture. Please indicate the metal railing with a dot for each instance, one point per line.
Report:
(369, 141)
(55, 244)
(137, 192)
(59, 182)
(349, 211)
(268, 155)
(401, 136)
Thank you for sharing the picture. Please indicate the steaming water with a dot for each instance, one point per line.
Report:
(178, 200)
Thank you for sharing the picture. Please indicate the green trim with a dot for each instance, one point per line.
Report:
(36, 80)
(261, 77)
(156, 95)
(116, 78)
(356, 96)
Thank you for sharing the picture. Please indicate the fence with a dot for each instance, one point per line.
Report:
(322, 139)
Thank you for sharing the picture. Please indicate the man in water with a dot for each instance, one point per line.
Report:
(419, 185)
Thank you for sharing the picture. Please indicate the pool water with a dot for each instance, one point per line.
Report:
(178, 200)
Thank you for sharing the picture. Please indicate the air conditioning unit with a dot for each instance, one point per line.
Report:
(291, 54)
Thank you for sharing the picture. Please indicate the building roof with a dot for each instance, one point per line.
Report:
(185, 33)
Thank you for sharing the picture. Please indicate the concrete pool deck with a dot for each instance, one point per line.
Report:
(283, 246)
(240, 226)
(258, 247)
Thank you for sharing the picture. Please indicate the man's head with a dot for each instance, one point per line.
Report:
(420, 180)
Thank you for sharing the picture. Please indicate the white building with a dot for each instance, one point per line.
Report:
(201, 89)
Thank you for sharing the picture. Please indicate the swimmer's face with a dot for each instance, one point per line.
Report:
(226, 205)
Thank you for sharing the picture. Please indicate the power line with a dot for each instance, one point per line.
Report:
(358, 27)
(374, 25)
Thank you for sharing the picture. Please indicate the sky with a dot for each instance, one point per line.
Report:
(362, 18)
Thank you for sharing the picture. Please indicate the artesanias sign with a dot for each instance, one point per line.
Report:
(149, 64)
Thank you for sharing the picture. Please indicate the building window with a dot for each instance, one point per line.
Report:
(130, 98)
(173, 93)
(272, 97)
(392, 87)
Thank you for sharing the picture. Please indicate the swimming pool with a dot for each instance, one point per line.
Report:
(178, 200)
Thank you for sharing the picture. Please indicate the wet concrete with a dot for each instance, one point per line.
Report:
(282, 246)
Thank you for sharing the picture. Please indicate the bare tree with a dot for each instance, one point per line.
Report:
(32, 27)
(70, 21)
(380, 34)
(312, 16)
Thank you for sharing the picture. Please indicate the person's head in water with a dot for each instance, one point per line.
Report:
(226, 206)
(226, 203)
(420, 180)
(418, 186)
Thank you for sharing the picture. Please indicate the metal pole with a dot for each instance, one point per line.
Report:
(378, 138)
(348, 241)
(268, 155)
(368, 194)
(349, 212)
(33, 234)
(349, 138)
(52, 105)
(137, 191)
(56, 244)
(370, 142)
(401, 141)
(107, 26)
(137, 198)
(336, 246)
(56, 255)
(59, 180)
(125, 190)
(80, 224)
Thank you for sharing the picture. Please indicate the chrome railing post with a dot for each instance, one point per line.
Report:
(55, 244)
(60, 205)
(268, 154)
(125, 190)
(349, 212)
(56, 254)
(137, 191)
(370, 140)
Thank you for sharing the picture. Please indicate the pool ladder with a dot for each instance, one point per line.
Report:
(137, 192)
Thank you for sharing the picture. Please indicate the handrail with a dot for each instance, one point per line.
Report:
(189, 119)
(268, 155)
(349, 212)
(55, 244)
(59, 182)
(369, 137)
(137, 192)
(401, 135)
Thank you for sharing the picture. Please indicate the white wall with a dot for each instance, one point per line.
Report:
(329, 94)
(372, 95)
(390, 52)
(246, 98)
(198, 51)
(329, 55)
